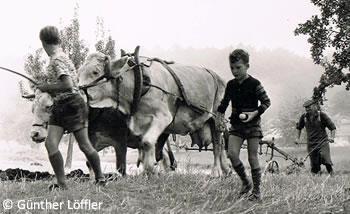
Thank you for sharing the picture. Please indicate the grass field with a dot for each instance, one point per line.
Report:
(192, 190)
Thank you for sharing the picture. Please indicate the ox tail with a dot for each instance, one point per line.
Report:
(219, 93)
(220, 90)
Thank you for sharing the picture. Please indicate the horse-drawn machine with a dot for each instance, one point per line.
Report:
(272, 165)
(274, 152)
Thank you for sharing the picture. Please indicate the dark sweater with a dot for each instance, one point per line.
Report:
(244, 97)
(316, 127)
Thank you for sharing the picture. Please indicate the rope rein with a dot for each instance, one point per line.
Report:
(19, 74)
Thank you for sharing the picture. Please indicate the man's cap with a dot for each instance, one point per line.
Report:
(309, 103)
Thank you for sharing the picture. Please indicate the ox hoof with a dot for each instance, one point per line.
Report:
(216, 172)
(102, 182)
(54, 187)
(151, 171)
(228, 172)
(173, 166)
(138, 163)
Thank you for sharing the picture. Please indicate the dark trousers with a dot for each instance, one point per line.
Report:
(318, 156)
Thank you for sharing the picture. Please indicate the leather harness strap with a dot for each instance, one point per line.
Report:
(184, 97)
(138, 78)
(177, 80)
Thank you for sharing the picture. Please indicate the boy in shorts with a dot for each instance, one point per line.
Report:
(69, 111)
(244, 92)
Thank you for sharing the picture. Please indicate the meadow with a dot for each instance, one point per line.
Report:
(191, 189)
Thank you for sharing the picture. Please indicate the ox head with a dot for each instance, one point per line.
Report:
(41, 109)
(97, 75)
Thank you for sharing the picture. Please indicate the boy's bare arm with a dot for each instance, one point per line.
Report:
(64, 84)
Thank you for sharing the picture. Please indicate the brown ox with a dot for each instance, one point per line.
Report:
(161, 109)
(107, 127)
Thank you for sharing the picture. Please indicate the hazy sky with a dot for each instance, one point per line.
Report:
(154, 24)
(161, 23)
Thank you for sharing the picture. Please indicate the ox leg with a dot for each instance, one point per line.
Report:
(120, 154)
(225, 164)
(156, 128)
(219, 152)
(93, 140)
(163, 138)
(216, 151)
(160, 145)
(173, 163)
(197, 139)
(139, 158)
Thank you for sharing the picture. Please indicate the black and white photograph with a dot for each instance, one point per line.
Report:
(187, 106)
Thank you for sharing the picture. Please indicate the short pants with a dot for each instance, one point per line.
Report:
(243, 130)
(246, 132)
(70, 113)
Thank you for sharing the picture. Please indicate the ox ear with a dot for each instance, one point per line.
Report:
(119, 66)
(122, 53)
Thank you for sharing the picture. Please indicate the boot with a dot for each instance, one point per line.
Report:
(56, 161)
(94, 161)
(256, 194)
(246, 184)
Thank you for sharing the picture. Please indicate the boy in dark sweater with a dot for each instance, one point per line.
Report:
(245, 92)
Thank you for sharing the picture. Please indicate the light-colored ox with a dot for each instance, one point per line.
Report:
(160, 110)
(106, 128)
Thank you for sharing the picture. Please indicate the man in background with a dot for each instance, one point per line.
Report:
(315, 123)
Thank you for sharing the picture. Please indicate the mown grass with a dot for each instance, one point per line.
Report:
(191, 190)
(191, 193)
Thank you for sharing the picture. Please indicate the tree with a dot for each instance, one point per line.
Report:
(290, 111)
(72, 45)
(339, 104)
(34, 66)
(105, 45)
(329, 32)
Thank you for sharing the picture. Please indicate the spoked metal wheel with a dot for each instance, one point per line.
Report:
(272, 167)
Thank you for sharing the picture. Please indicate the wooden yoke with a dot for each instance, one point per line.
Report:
(138, 82)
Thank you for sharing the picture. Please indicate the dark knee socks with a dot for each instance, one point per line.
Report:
(95, 164)
(240, 170)
(56, 161)
(256, 177)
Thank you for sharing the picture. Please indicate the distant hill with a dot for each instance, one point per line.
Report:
(285, 76)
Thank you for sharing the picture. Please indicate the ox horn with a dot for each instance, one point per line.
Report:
(137, 50)
(29, 96)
